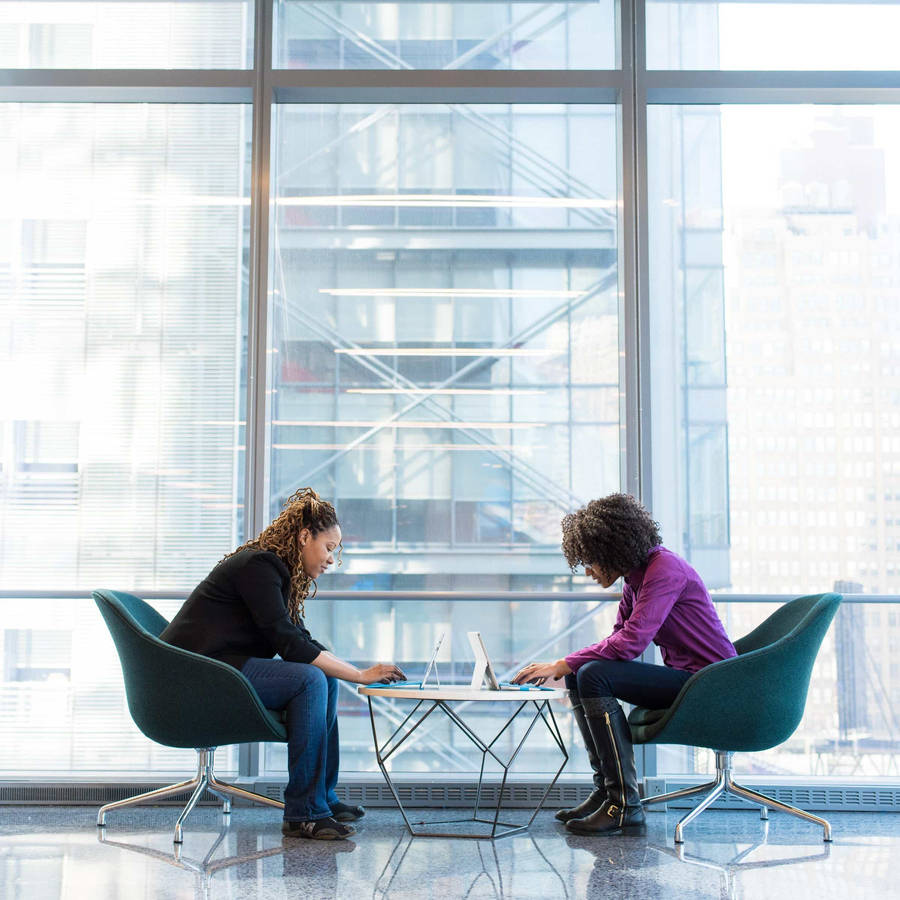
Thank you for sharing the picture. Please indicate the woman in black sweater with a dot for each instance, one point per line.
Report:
(250, 608)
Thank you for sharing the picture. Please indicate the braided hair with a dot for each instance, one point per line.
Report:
(303, 509)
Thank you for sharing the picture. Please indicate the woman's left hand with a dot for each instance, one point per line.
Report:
(538, 673)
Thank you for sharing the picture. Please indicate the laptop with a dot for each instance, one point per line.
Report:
(484, 670)
(432, 664)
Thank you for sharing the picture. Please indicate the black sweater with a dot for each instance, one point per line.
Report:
(241, 610)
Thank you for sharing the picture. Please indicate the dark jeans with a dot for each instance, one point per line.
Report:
(643, 684)
(309, 697)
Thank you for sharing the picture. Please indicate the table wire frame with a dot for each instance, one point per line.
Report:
(542, 712)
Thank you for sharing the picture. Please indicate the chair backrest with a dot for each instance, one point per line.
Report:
(780, 624)
(179, 698)
(143, 614)
(755, 700)
(785, 665)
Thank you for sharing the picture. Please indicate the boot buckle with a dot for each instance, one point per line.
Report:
(613, 810)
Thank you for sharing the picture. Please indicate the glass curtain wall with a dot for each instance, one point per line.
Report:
(798, 277)
(480, 304)
(774, 239)
(508, 34)
(445, 326)
(772, 35)
(126, 34)
(123, 307)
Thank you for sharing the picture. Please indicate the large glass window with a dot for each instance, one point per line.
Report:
(486, 34)
(446, 330)
(122, 295)
(126, 34)
(63, 712)
(775, 241)
(451, 276)
(122, 283)
(772, 34)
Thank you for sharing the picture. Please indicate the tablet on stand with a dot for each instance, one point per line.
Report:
(484, 671)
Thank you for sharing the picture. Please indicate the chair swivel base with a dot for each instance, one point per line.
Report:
(204, 780)
(723, 785)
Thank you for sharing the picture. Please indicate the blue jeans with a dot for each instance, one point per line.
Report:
(643, 684)
(309, 697)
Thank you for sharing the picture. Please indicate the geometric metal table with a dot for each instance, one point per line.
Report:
(439, 698)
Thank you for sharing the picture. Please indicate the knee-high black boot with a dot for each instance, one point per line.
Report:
(598, 795)
(621, 812)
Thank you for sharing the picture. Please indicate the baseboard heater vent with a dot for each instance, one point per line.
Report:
(374, 793)
(448, 794)
(71, 794)
(865, 798)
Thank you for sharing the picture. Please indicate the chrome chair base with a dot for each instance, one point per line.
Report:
(723, 785)
(204, 780)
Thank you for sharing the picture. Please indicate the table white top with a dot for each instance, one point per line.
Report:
(459, 692)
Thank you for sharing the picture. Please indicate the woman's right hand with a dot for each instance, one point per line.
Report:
(381, 673)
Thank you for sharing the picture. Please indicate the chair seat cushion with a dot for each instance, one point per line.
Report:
(641, 716)
(644, 723)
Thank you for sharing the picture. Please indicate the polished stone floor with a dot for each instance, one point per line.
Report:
(56, 852)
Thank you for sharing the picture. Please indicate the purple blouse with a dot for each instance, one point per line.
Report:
(665, 602)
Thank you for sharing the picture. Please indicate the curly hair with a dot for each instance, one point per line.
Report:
(615, 534)
(303, 509)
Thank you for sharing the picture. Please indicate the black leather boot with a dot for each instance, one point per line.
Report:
(598, 795)
(621, 812)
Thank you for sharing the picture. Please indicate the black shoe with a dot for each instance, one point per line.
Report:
(344, 812)
(585, 808)
(609, 820)
(327, 829)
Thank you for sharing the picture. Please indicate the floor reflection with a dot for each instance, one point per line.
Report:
(203, 869)
(623, 865)
(741, 861)
(55, 854)
(504, 870)
(628, 867)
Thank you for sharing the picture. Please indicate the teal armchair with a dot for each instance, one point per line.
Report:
(751, 702)
(181, 699)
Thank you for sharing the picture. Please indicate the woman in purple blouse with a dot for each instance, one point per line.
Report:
(664, 601)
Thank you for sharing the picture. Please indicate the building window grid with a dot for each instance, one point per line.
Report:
(704, 84)
(561, 116)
